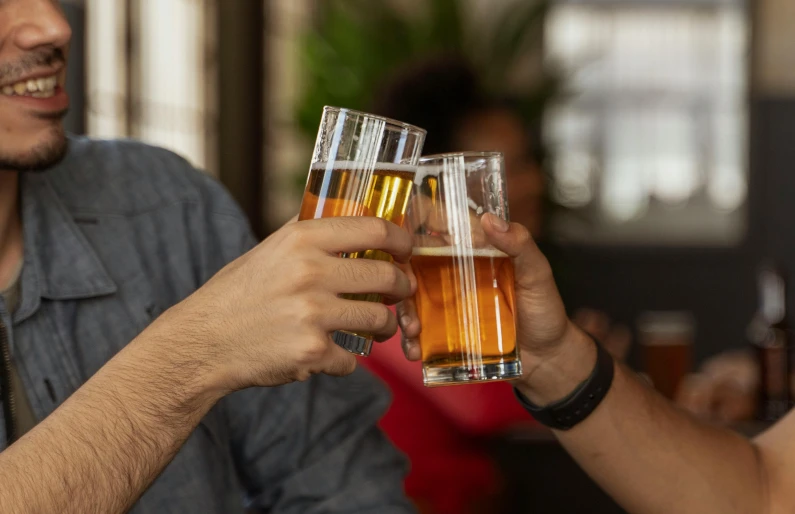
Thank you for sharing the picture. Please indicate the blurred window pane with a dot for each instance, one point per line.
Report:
(649, 140)
(167, 70)
(106, 68)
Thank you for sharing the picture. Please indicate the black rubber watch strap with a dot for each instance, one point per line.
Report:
(571, 410)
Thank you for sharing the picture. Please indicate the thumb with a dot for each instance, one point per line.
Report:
(531, 267)
(541, 316)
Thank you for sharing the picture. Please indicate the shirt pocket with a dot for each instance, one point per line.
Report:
(96, 329)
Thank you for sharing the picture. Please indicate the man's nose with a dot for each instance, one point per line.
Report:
(41, 23)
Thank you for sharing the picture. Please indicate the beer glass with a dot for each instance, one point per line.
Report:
(362, 165)
(465, 297)
(667, 342)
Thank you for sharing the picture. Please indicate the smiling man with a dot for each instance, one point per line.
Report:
(119, 336)
(32, 93)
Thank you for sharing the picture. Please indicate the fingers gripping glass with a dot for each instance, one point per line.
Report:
(363, 165)
(465, 296)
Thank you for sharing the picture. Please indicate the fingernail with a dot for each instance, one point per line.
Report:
(500, 224)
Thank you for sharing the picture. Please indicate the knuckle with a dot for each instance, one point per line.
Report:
(295, 234)
(523, 236)
(300, 240)
(545, 271)
(538, 274)
(405, 242)
(393, 278)
(308, 310)
(305, 273)
(382, 318)
(379, 229)
(302, 375)
(311, 351)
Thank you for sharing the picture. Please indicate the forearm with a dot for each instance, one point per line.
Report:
(103, 447)
(650, 456)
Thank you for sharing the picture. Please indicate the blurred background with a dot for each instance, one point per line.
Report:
(663, 129)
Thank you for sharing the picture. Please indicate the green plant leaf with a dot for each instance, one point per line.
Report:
(355, 44)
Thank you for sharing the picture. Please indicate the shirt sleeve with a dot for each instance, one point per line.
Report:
(314, 448)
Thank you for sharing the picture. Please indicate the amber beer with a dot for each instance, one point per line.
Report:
(466, 299)
(345, 191)
(667, 364)
(667, 341)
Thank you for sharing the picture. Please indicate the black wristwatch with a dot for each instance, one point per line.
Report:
(574, 408)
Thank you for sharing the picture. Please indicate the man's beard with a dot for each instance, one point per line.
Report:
(50, 152)
(42, 157)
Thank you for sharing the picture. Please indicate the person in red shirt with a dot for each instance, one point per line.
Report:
(444, 431)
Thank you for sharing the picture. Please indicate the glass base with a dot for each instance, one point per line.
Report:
(438, 376)
(354, 343)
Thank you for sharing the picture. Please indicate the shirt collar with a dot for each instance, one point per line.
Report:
(60, 263)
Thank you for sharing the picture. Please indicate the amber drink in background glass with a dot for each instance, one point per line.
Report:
(666, 339)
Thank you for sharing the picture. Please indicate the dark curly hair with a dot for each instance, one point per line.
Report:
(435, 94)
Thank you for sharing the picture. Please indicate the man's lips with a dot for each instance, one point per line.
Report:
(56, 101)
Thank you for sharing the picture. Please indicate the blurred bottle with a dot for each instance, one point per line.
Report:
(771, 336)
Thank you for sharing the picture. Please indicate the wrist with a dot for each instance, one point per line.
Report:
(174, 368)
(554, 376)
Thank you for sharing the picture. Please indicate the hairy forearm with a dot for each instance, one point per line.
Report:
(650, 456)
(101, 449)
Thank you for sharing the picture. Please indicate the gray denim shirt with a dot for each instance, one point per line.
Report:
(119, 232)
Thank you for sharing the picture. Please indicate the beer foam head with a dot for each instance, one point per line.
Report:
(364, 167)
(659, 328)
(452, 251)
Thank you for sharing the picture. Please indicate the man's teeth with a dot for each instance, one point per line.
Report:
(37, 88)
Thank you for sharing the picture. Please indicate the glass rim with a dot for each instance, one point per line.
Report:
(467, 154)
(390, 121)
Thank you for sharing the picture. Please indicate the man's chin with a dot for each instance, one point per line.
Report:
(41, 157)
